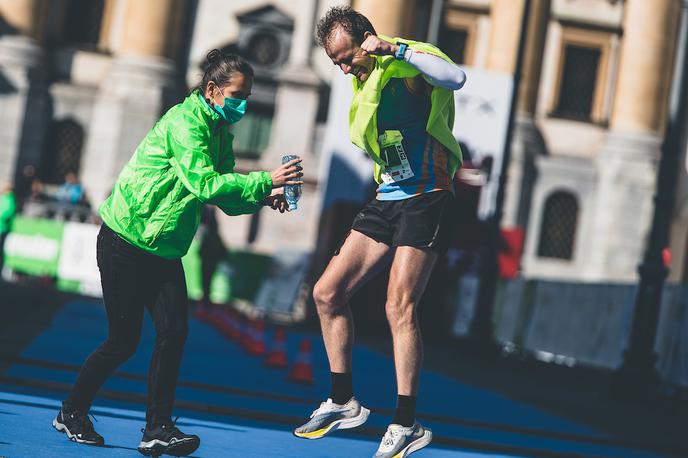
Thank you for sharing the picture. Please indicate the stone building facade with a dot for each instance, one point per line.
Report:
(590, 120)
(95, 75)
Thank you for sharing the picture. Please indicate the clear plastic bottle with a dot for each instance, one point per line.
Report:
(292, 193)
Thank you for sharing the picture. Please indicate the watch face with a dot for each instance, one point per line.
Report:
(402, 49)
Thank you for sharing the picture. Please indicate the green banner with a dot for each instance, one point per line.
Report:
(33, 246)
(239, 276)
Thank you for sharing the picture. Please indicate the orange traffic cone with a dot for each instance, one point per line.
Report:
(234, 331)
(256, 346)
(225, 323)
(302, 371)
(201, 313)
(277, 358)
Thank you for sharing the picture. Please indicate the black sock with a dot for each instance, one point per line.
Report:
(405, 415)
(342, 387)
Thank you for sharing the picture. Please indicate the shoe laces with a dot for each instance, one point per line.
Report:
(390, 437)
(172, 427)
(82, 421)
(324, 407)
(168, 427)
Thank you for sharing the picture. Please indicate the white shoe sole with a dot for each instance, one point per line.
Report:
(72, 437)
(416, 445)
(346, 423)
(157, 447)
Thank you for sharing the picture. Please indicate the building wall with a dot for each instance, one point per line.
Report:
(143, 59)
(118, 86)
(607, 161)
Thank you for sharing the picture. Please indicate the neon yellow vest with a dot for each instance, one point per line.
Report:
(362, 114)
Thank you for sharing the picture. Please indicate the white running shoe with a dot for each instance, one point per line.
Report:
(330, 416)
(400, 441)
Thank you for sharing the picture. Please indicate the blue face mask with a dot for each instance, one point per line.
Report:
(233, 109)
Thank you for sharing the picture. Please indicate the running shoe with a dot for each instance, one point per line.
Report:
(400, 441)
(78, 427)
(330, 417)
(167, 439)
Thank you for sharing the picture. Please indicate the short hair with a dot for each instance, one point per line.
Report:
(346, 18)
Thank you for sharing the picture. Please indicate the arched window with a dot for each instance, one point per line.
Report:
(63, 150)
(558, 230)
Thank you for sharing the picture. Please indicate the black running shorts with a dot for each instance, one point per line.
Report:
(423, 221)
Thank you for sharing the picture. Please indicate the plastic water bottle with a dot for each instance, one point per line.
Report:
(292, 192)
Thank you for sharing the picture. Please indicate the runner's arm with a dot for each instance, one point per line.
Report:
(436, 71)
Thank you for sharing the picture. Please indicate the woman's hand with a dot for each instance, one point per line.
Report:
(287, 174)
(277, 202)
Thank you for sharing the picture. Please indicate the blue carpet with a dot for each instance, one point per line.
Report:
(210, 359)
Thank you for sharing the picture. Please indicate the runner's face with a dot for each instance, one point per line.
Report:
(347, 55)
(239, 87)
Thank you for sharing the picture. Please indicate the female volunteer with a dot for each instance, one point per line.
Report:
(186, 160)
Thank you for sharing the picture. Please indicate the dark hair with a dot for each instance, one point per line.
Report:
(351, 21)
(219, 68)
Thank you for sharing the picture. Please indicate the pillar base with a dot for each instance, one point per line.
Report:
(626, 176)
(636, 380)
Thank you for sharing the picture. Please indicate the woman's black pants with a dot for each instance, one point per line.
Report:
(132, 280)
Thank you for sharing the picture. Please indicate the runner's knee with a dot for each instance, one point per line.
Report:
(400, 313)
(121, 348)
(327, 300)
(175, 336)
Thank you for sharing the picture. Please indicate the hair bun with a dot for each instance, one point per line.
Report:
(213, 56)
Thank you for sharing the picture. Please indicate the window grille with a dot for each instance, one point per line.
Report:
(64, 146)
(558, 230)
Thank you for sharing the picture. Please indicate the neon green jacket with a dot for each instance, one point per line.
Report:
(362, 114)
(185, 160)
(8, 208)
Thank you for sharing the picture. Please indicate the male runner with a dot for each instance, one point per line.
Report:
(402, 114)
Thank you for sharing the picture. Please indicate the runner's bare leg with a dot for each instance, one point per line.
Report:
(409, 275)
(359, 259)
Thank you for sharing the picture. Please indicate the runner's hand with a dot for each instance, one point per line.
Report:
(374, 45)
(287, 174)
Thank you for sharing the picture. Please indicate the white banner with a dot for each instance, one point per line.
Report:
(78, 257)
(482, 116)
(346, 170)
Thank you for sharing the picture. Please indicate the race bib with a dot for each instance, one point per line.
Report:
(392, 152)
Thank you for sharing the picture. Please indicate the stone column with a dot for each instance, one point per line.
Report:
(627, 162)
(134, 94)
(527, 144)
(505, 29)
(24, 99)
